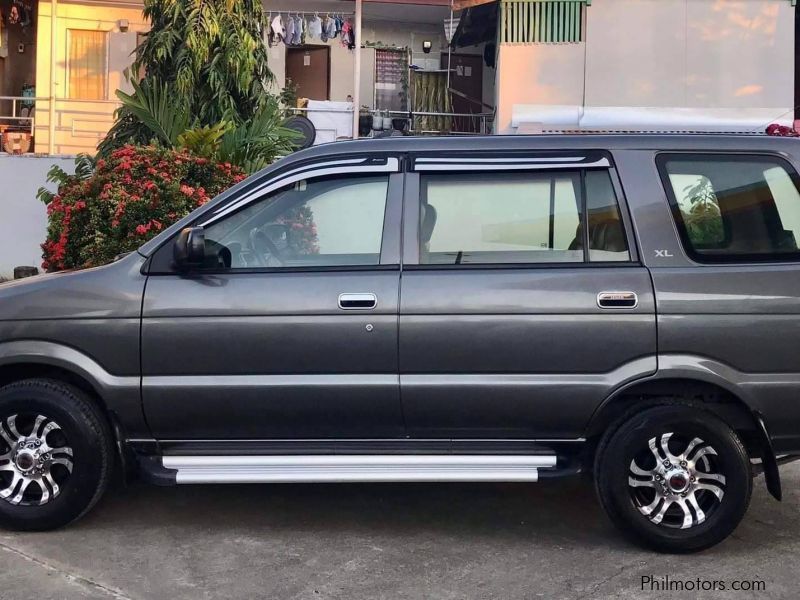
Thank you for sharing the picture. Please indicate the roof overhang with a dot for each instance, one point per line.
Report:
(478, 24)
(464, 4)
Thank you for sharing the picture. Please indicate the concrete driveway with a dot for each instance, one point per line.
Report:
(382, 541)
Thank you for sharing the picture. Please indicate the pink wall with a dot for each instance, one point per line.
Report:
(537, 74)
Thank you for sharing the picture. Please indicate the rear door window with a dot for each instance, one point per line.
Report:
(734, 208)
(504, 218)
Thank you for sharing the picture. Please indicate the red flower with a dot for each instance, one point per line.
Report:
(136, 192)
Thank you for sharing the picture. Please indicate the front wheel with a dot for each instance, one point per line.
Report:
(56, 454)
(674, 477)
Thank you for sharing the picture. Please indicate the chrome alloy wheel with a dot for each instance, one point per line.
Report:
(679, 490)
(41, 457)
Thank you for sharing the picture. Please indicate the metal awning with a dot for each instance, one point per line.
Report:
(478, 24)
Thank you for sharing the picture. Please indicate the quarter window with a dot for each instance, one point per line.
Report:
(734, 208)
(504, 218)
(314, 223)
(607, 241)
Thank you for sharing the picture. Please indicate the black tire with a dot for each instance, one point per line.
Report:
(627, 506)
(87, 434)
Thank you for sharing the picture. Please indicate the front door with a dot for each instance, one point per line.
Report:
(523, 303)
(466, 89)
(295, 334)
(309, 69)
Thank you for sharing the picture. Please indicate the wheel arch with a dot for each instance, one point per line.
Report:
(703, 387)
(12, 372)
(117, 398)
(710, 394)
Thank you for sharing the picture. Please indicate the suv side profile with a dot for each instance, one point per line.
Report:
(406, 309)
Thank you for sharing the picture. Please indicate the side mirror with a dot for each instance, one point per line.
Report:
(190, 248)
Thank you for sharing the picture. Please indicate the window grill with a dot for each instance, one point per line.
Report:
(542, 21)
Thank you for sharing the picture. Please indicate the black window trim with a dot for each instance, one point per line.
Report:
(782, 160)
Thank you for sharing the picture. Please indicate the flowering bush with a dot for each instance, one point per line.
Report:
(124, 201)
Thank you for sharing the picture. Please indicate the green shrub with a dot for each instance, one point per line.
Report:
(115, 205)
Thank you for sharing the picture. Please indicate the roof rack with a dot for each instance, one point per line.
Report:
(563, 131)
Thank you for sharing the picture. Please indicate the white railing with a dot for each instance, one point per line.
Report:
(19, 121)
(455, 123)
(458, 123)
(79, 124)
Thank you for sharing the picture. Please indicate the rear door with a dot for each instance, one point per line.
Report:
(523, 301)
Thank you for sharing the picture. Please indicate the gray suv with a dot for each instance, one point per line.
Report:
(494, 309)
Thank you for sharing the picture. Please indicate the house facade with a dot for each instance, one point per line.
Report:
(642, 64)
(436, 66)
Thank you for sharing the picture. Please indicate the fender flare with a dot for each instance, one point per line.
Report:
(119, 395)
(688, 367)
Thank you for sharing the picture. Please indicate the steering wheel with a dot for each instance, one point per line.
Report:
(264, 249)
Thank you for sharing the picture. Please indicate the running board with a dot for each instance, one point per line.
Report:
(352, 468)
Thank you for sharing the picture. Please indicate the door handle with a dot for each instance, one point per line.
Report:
(358, 301)
(617, 300)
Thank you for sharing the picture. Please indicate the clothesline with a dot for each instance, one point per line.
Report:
(313, 13)
(298, 27)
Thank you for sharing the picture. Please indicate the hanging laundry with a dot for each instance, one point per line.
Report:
(289, 35)
(304, 31)
(348, 35)
(315, 27)
(298, 31)
(330, 28)
(277, 30)
(323, 34)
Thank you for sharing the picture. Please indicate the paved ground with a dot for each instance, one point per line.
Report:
(381, 541)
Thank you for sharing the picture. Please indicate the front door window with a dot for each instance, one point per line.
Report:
(324, 222)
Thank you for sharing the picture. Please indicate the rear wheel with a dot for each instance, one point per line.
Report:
(674, 477)
(55, 454)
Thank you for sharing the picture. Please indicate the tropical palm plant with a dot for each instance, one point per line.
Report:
(163, 116)
(204, 65)
(213, 51)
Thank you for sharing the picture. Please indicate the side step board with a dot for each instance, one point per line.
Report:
(356, 468)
